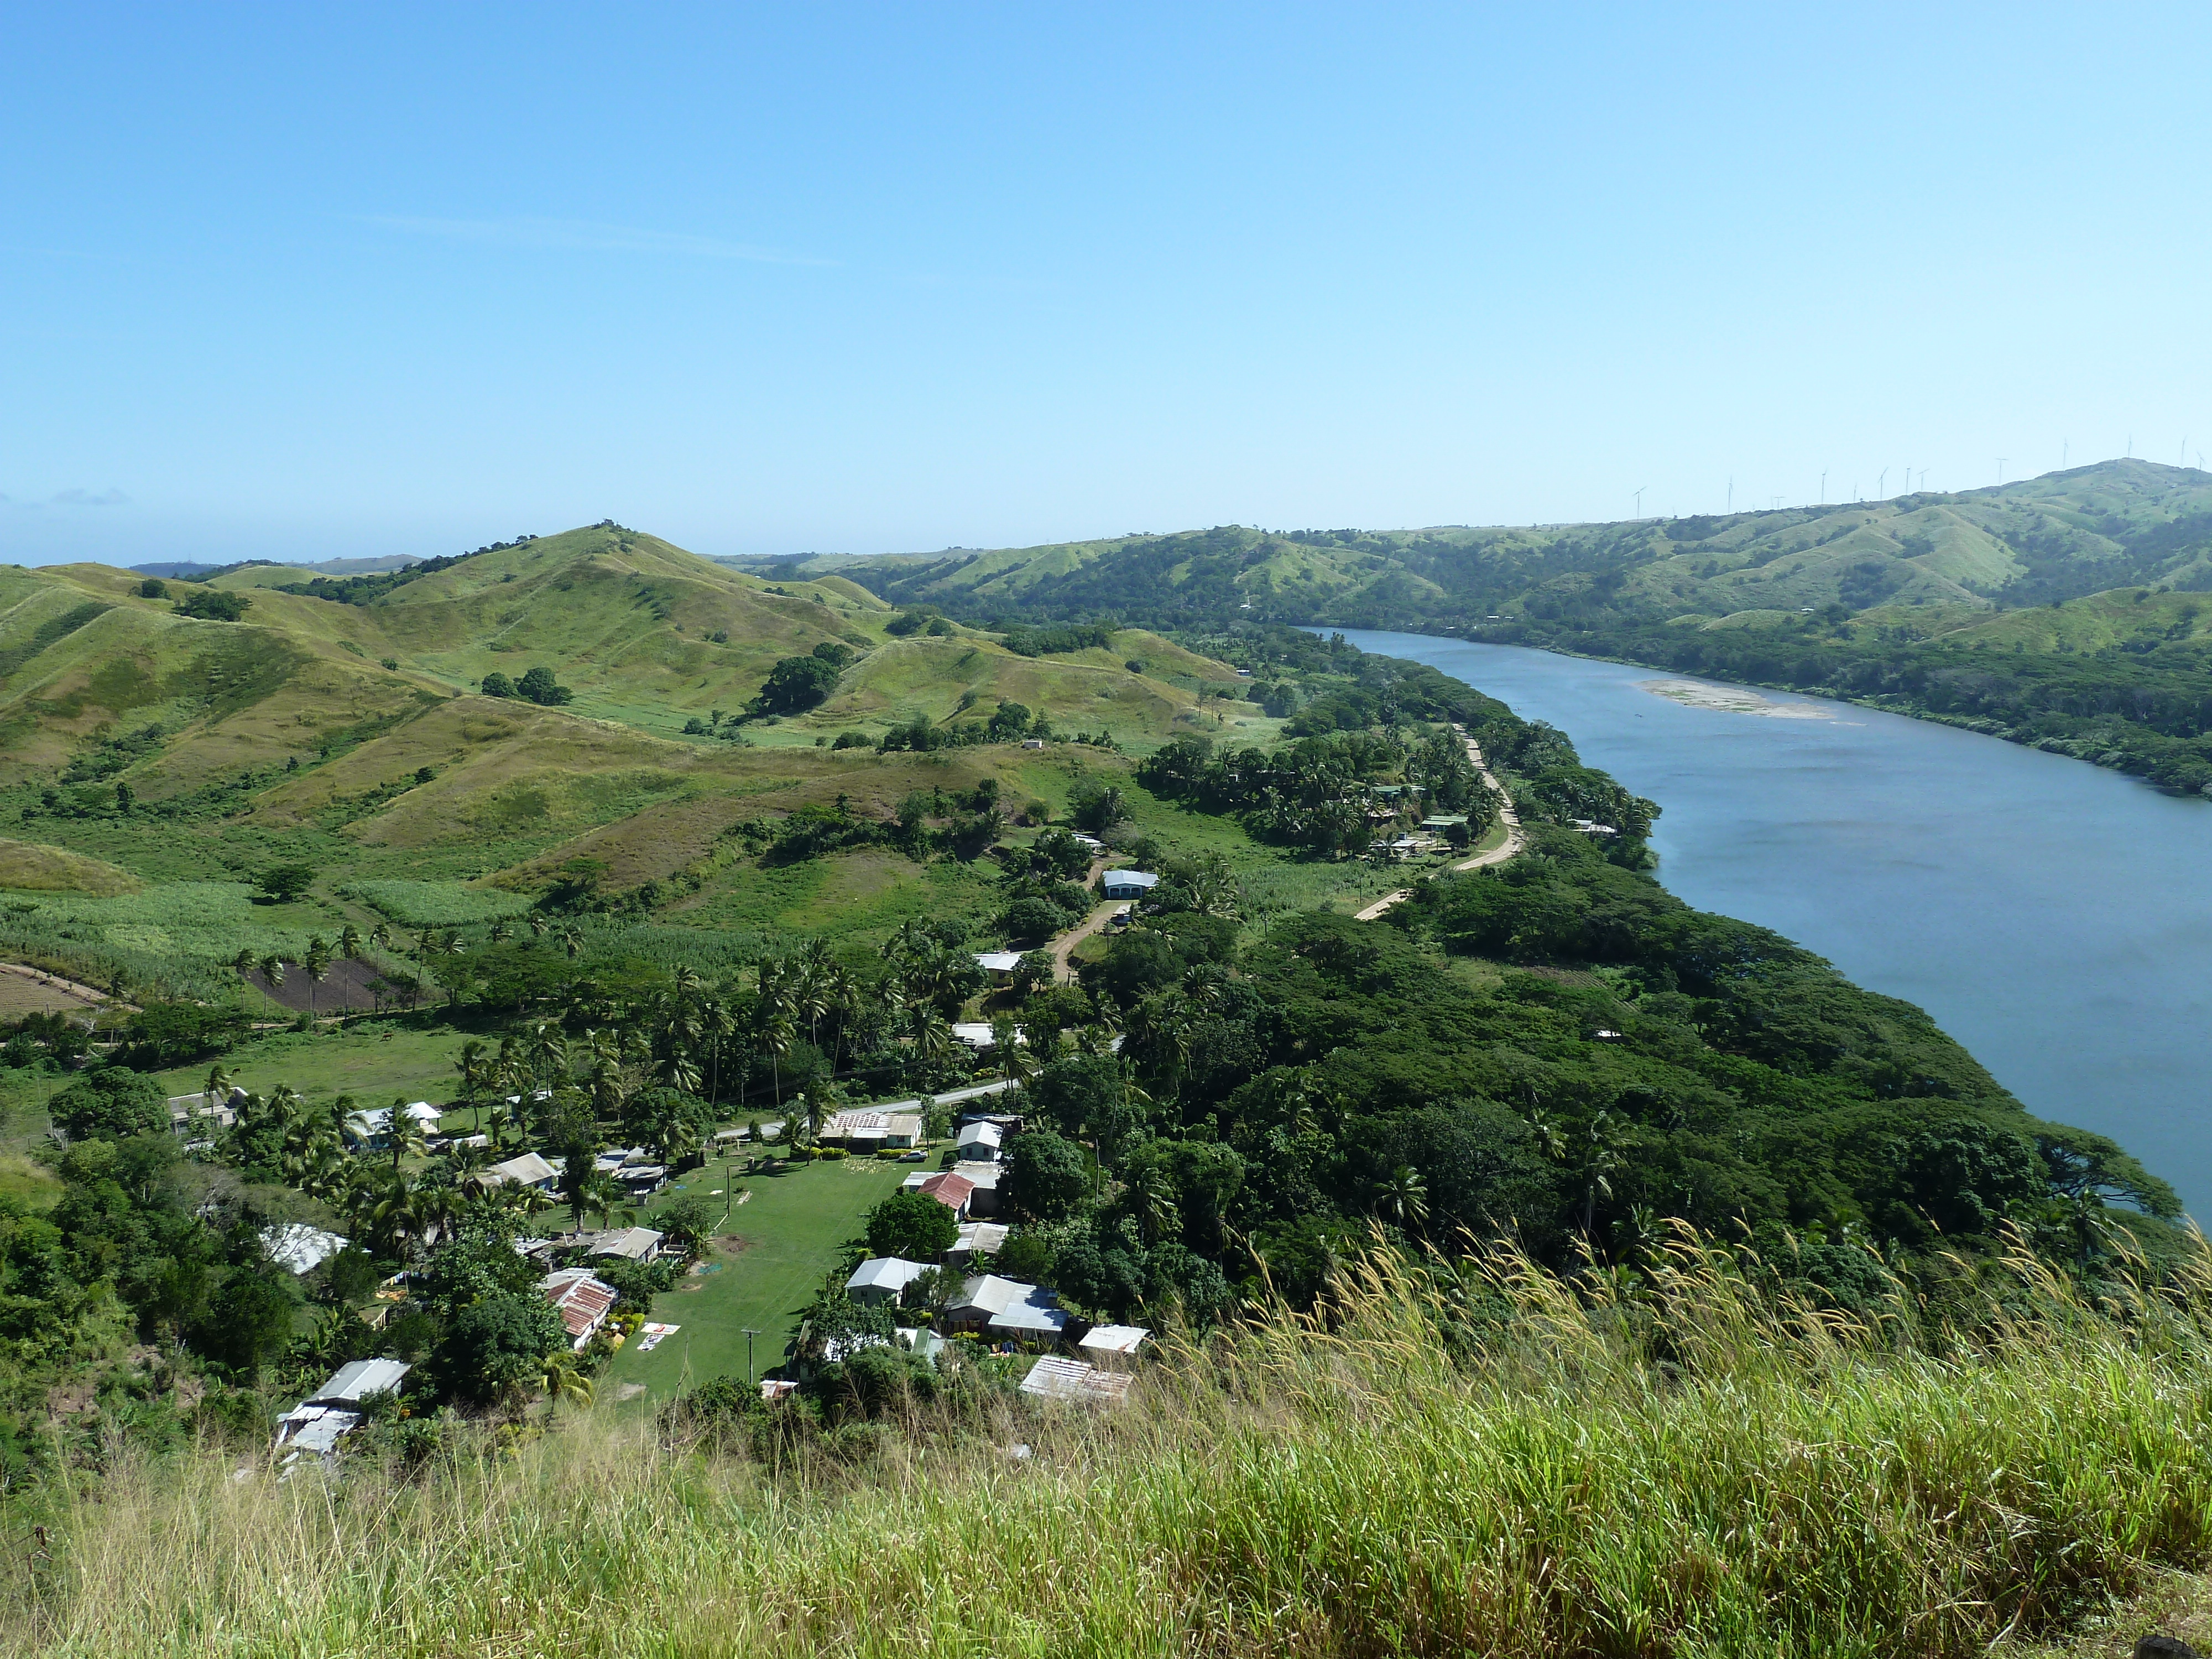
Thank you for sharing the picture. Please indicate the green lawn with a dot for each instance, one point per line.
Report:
(373, 1060)
(793, 1225)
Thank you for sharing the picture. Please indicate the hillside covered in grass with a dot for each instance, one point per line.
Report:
(2068, 611)
(477, 723)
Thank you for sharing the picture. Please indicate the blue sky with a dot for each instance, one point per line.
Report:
(305, 282)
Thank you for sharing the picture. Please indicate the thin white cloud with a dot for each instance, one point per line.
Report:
(582, 236)
(87, 498)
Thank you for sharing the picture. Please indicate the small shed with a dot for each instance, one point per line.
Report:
(1055, 1377)
(1128, 884)
(1112, 1343)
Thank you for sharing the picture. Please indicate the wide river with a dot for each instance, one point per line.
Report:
(2054, 918)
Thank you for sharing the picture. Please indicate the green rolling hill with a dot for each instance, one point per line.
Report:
(144, 748)
(2066, 610)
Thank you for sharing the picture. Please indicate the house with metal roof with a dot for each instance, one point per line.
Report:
(582, 1300)
(314, 1427)
(624, 1244)
(527, 1170)
(949, 1188)
(976, 1238)
(299, 1248)
(1055, 1377)
(1007, 1308)
(865, 1129)
(881, 1278)
(1127, 883)
(979, 1142)
(373, 1130)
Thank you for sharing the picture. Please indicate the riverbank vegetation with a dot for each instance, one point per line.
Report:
(2067, 611)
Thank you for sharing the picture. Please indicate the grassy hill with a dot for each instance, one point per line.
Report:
(2061, 610)
(345, 726)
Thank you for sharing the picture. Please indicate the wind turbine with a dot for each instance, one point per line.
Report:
(1824, 487)
(1880, 483)
(2001, 461)
(1731, 494)
(2064, 450)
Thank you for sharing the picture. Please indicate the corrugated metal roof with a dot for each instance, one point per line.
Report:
(580, 1299)
(350, 1383)
(1114, 1339)
(1053, 1378)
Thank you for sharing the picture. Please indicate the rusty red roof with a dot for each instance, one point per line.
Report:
(949, 1190)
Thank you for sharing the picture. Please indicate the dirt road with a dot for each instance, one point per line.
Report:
(1514, 841)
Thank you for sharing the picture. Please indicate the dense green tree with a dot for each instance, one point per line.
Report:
(1045, 1177)
(912, 1225)
(110, 1104)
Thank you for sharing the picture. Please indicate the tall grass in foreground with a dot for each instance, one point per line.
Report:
(1695, 1471)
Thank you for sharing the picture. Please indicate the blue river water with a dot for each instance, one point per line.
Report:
(2054, 918)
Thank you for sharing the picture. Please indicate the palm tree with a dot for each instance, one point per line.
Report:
(272, 974)
(405, 1135)
(1600, 1159)
(380, 936)
(318, 964)
(1150, 1196)
(561, 1380)
(500, 931)
(349, 941)
(471, 1066)
(1403, 1196)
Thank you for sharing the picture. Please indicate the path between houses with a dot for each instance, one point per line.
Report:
(1514, 841)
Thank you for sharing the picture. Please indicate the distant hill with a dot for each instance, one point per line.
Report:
(1899, 602)
(189, 571)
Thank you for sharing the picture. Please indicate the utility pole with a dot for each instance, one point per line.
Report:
(749, 1334)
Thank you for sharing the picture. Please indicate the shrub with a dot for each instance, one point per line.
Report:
(538, 686)
(214, 604)
(496, 685)
(496, 1343)
(152, 588)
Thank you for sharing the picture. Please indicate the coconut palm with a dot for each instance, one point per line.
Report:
(405, 1135)
(562, 1380)
(475, 1071)
(1403, 1196)
(349, 941)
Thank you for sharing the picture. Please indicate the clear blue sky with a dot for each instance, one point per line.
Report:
(309, 281)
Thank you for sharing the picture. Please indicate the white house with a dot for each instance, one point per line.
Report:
(881, 1279)
(978, 1142)
(214, 1111)
(866, 1130)
(998, 962)
(373, 1129)
(1127, 883)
